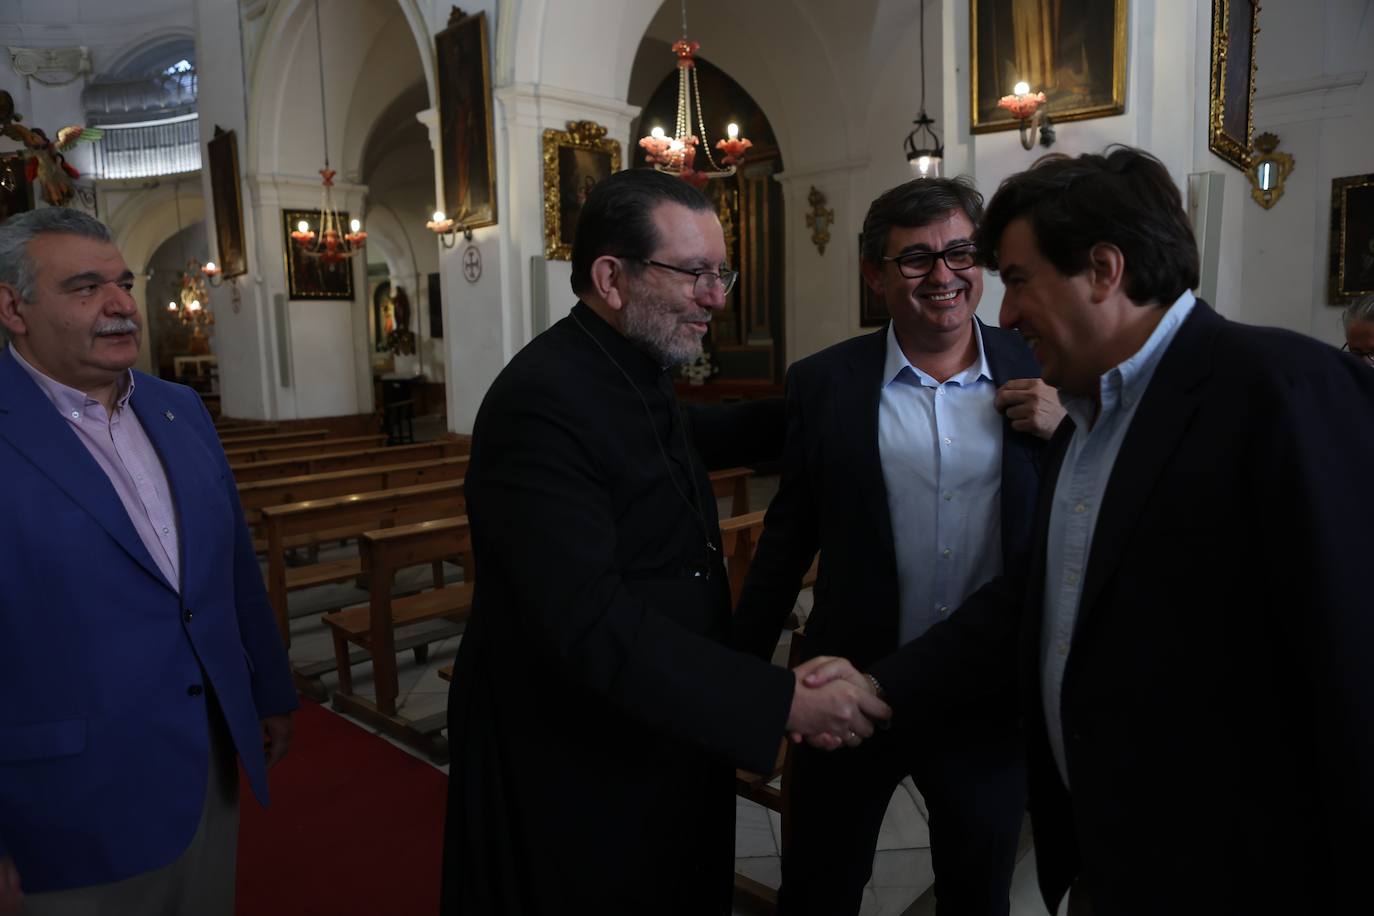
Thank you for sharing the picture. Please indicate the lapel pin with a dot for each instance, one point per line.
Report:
(169, 415)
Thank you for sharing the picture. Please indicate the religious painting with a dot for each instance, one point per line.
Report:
(383, 316)
(225, 193)
(1074, 51)
(16, 192)
(1352, 239)
(310, 277)
(465, 121)
(1235, 23)
(872, 309)
(574, 161)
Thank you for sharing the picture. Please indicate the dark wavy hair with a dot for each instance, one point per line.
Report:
(1124, 197)
(919, 202)
(617, 219)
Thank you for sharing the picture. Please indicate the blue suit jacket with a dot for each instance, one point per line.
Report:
(104, 746)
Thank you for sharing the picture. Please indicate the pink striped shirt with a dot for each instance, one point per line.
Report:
(120, 446)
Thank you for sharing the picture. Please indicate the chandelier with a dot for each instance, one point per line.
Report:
(330, 244)
(677, 154)
(925, 159)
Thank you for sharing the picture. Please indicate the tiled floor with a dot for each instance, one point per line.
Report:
(902, 871)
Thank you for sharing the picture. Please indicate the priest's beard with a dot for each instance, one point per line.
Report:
(658, 328)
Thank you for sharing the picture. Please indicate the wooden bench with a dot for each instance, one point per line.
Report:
(237, 440)
(258, 495)
(343, 461)
(243, 428)
(344, 516)
(734, 483)
(255, 453)
(373, 627)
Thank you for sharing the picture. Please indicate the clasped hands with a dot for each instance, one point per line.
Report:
(834, 705)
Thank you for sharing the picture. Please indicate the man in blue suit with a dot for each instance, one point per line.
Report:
(137, 648)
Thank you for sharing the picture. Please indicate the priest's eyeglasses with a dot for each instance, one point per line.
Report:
(706, 280)
(916, 264)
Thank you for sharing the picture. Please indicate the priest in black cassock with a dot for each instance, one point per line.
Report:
(595, 715)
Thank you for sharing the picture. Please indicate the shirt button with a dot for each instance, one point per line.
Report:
(1072, 578)
(947, 495)
(1080, 508)
(194, 690)
(1062, 648)
(948, 441)
(166, 530)
(946, 553)
(944, 609)
(187, 615)
(76, 415)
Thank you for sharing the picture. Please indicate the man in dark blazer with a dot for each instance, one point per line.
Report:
(596, 715)
(1195, 628)
(138, 653)
(916, 490)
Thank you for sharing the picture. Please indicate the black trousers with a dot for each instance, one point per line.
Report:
(972, 776)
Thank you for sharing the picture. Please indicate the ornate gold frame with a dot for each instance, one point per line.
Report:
(1235, 150)
(1338, 293)
(1004, 121)
(584, 135)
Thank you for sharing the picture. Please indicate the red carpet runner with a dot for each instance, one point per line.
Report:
(355, 827)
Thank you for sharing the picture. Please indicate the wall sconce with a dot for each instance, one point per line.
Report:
(447, 229)
(1025, 107)
(1268, 169)
(819, 219)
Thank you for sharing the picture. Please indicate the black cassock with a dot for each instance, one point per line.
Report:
(595, 717)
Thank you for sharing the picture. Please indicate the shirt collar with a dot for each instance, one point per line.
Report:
(895, 362)
(67, 399)
(1124, 384)
(639, 365)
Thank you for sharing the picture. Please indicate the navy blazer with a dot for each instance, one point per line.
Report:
(1218, 701)
(832, 497)
(104, 749)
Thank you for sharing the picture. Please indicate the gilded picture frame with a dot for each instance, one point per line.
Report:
(222, 153)
(1352, 239)
(311, 278)
(466, 136)
(1072, 50)
(574, 161)
(1231, 122)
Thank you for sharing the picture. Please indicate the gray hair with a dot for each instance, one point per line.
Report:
(16, 267)
(1361, 309)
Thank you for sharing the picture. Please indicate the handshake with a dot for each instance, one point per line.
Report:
(834, 705)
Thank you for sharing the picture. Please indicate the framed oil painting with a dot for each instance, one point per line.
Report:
(1072, 50)
(312, 278)
(223, 156)
(1230, 135)
(1352, 239)
(872, 309)
(574, 161)
(465, 125)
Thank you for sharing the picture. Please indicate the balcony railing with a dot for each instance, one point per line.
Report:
(149, 148)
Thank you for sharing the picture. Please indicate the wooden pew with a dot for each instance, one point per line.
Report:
(342, 461)
(255, 453)
(373, 627)
(739, 536)
(243, 428)
(236, 440)
(734, 483)
(258, 495)
(344, 516)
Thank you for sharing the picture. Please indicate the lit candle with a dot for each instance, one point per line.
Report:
(439, 216)
(732, 130)
(1021, 88)
(171, 306)
(355, 225)
(657, 133)
(302, 226)
(210, 267)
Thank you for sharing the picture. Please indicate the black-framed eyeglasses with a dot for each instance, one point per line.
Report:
(1366, 355)
(916, 264)
(706, 280)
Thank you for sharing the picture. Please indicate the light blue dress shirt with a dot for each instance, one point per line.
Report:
(1078, 496)
(941, 450)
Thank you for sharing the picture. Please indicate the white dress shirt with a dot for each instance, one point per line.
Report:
(940, 444)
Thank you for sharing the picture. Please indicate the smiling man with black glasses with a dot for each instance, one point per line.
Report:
(912, 467)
